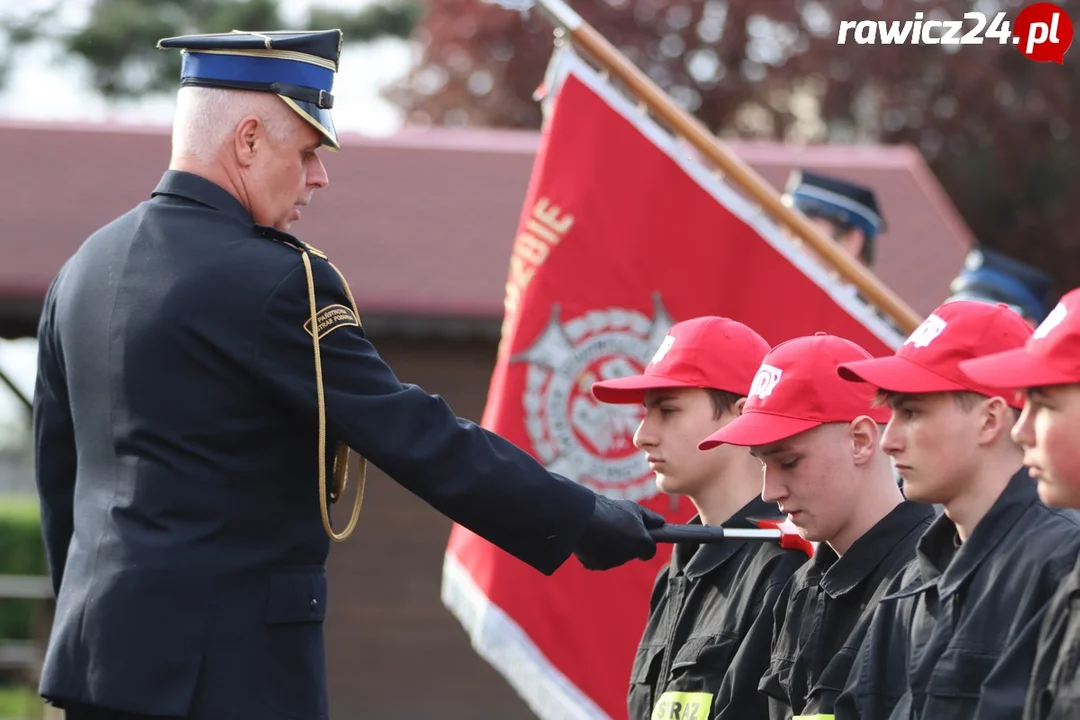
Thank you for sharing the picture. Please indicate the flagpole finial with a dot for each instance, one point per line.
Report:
(518, 5)
(562, 13)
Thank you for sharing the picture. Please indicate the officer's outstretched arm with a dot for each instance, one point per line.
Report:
(472, 476)
(54, 445)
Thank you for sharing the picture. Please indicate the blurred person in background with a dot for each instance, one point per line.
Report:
(843, 210)
(991, 276)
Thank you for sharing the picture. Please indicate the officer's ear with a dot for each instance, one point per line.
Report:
(245, 139)
(854, 242)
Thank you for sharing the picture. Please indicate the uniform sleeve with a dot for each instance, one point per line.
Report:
(849, 703)
(471, 475)
(861, 696)
(878, 676)
(54, 445)
(1004, 691)
(778, 702)
(1055, 682)
(738, 696)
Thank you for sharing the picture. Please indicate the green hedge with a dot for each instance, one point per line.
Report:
(22, 552)
(20, 703)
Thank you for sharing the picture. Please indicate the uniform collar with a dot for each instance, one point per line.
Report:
(180, 183)
(695, 560)
(942, 563)
(844, 574)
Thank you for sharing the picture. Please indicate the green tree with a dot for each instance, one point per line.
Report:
(118, 41)
(996, 128)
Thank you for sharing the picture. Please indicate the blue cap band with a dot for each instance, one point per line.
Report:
(1021, 293)
(808, 203)
(261, 70)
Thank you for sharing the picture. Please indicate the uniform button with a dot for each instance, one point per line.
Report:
(314, 605)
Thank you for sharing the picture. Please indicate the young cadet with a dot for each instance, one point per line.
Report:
(707, 638)
(817, 437)
(1048, 366)
(955, 636)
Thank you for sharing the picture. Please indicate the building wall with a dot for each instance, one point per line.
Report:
(400, 210)
(394, 652)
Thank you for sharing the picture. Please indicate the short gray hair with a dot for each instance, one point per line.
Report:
(206, 117)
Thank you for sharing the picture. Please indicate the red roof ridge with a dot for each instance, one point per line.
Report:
(401, 209)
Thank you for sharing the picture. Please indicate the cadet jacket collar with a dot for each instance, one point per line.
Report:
(939, 560)
(696, 561)
(844, 574)
(180, 183)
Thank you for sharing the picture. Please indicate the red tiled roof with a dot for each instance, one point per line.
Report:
(400, 212)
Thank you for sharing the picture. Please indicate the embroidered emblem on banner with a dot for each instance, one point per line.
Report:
(571, 432)
(330, 318)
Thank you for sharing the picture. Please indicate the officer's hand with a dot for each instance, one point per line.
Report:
(617, 533)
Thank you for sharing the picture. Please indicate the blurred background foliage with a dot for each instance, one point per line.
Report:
(118, 41)
(996, 128)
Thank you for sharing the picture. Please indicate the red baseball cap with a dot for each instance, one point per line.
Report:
(1050, 357)
(929, 360)
(705, 352)
(797, 389)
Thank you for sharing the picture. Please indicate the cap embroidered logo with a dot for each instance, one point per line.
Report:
(765, 381)
(1055, 318)
(931, 327)
(663, 349)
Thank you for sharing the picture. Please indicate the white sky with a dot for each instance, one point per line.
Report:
(58, 88)
(58, 84)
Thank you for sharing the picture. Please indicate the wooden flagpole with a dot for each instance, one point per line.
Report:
(690, 128)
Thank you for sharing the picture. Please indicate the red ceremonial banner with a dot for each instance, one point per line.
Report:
(621, 235)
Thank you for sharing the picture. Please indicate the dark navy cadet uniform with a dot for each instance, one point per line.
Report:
(955, 636)
(179, 416)
(823, 613)
(1054, 689)
(709, 633)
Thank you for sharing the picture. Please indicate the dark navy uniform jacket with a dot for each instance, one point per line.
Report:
(709, 633)
(955, 637)
(824, 612)
(176, 447)
(1054, 692)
